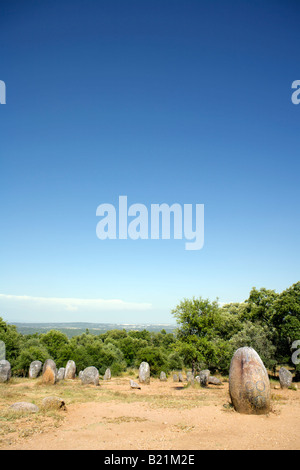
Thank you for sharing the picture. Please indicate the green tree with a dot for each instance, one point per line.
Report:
(32, 351)
(156, 358)
(13, 342)
(199, 324)
(260, 305)
(130, 347)
(197, 317)
(286, 320)
(54, 341)
(259, 338)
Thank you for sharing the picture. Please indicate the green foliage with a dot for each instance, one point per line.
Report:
(197, 317)
(12, 340)
(199, 336)
(260, 305)
(259, 338)
(30, 353)
(174, 361)
(54, 341)
(156, 358)
(208, 334)
(130, 347)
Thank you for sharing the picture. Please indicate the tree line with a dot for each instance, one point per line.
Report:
(206, 337)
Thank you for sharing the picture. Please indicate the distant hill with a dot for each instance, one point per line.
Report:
(77, 328)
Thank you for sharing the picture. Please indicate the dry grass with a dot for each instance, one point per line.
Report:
(167, 397)
(22, 424)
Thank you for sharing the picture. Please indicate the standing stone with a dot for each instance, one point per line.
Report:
(61, 374)
(163, 377)
(5, 371)
(189, 374)
(285, 378)
(190, 378)
(90, 375)
(107, 375)
(35, 369)
(175, 378)
(80, 374)
(249, 385)
(49, 372)
(70, 372)
(144, 373)
(180, 377)
(204, 376)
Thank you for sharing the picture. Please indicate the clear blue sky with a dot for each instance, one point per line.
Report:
(182, 101)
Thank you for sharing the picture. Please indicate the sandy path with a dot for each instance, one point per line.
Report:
(138, 425)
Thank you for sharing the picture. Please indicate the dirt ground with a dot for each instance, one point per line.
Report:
(160, 416)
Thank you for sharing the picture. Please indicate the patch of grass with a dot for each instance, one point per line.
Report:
(6, 429)
(228, 407)
(180, 427)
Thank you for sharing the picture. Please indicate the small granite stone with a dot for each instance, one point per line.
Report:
(107, 375)
(163, 377)
(5, 371)
(285, 378)
(90, 375)
(134, 385)
(25, 407)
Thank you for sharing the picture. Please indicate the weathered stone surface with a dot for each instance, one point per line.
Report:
(180, 377)
(191, 379)
(60, 374)
(249, 385)
(53, 403)
(49, 372)
(70, 372)
(175, 378)
(189, 374)
(25, 407)
(90, 375)
(5, 371)
(204, 376)
(80, 374)
(163, 377)
(35, 369)
(144, 373)
(214, 380)
(285, 378)
(133, 384)
(107, 375)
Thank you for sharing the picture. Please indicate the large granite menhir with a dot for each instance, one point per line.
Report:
(144, 373)
(285, 378)
(249, 385)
